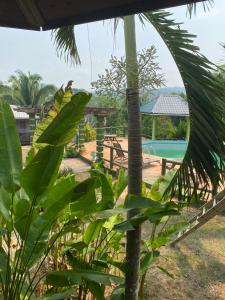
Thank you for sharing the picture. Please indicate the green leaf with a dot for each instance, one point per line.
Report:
(92, 231)
(3, 265)
(59, 296)
(121, 183)
(173, 229)
(97, 290)
(63, 127)
(147, 259)
(107, 195)
(42, 170)
(72, 277)
(204, 161)
(118, 293)
(79, 246)
(5, 207)
(130, 224)
(21, 213)
(53, 202)
(10, 150)
(133, 201)
(84, 198)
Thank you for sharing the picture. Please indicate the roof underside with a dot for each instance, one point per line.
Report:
(49, 14)
(166, 105)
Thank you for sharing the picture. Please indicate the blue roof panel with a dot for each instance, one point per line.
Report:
(166, 105)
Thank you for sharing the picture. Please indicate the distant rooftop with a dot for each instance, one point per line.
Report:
(166, 105)
(18, 114)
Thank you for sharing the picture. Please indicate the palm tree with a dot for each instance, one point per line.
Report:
(5, 90)
(28, 90)
(205, 97)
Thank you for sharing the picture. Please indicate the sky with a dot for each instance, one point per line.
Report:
(35, 51)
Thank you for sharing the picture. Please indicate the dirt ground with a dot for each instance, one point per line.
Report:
(198, 266)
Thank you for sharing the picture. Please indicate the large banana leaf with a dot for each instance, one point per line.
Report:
(62, 128)
(10, 150)
(52, 203)
(204, 162)
(55, 132)
(42, 171)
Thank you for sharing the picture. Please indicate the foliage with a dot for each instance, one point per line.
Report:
(31, 198)
(165, 127)
(113, 83)
(179, 132)
(192, 8)
(205, 95)
(71, 151)
(76, 229)
(89, 132)
(113, 120)
(28, 90)
(220, 74)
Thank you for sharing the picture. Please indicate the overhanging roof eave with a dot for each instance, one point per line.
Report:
(165, 115)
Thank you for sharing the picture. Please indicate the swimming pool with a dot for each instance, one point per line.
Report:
(166, 149)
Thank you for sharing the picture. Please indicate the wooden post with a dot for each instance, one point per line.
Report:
(99, 137)
(111, 159)
(163, 170)
(153, 128)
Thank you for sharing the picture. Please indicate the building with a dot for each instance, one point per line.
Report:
(22, 123)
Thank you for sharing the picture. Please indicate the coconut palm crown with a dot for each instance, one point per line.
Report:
(28, 90)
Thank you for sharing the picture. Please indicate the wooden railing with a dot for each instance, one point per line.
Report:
(166, 161)
(111, 156)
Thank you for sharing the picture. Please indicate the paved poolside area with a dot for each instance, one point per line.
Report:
(151, 171)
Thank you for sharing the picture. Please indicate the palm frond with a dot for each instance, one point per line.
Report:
(192, 8)
(45, 94)
(65, 41)
(204, 161)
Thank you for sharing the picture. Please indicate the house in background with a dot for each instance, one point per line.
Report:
(166, 106)
(22, 123)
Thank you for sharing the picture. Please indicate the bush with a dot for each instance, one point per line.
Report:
(71, 152)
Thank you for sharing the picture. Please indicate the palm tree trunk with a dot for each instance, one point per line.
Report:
(134, 155)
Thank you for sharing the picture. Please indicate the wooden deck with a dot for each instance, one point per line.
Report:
(150, 172)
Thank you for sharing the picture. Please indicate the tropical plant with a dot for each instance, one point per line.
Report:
(5, 90)
(28, 90)
(71, 151)
(43, 216)
(206, 149)
(31, 197)
(89, 132)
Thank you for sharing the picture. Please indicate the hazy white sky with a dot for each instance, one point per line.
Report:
(35, 52)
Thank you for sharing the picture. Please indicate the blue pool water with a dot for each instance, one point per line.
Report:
(166, 149)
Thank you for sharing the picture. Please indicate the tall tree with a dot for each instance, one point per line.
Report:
(206, 149)
(113, 82)
(28, 90)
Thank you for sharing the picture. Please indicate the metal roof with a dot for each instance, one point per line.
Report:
(49, 14)
(19, 114)
(166, 105)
